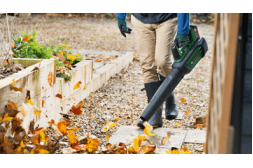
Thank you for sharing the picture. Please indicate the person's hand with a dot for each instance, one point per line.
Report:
(181, 39)
(123, 27)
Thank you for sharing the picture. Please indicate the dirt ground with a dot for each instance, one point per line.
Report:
(122, 97)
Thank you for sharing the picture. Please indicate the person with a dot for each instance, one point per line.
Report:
(154, 34)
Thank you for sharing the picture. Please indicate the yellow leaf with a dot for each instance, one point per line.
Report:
(84, 87)
(62, 126)
(107, 137)
(148, 128)
(6, 118)
(42, 151)
(24, 109)
(36, 110)
(13, 82)
(77, 85)
(43, 137)
(111, 125)
(131, 150)
(137, 142)
(116, 119)
(91, 145)
(108, 126)
(71, 136)
(169, 151)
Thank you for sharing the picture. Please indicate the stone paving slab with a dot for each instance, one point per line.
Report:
(195, 136)
(126, 134)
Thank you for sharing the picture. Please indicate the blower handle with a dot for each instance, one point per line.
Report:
(174, 49)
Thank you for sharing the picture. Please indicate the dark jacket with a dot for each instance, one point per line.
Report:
(183, 19)
(154, 17)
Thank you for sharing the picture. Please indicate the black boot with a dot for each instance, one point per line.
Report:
(171, 110)
(156, 119)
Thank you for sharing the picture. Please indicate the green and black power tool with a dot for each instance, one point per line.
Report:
(185, 59)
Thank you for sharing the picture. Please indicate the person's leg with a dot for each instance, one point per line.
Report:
(165, 35)
(146, 41)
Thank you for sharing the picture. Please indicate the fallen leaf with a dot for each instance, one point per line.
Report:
(76, 110)
(43, 137)
(29, 101)
(50, 78)
(18, 80)
(43, 103)
(74, 98)
(146, 149)
(6, 118)
(183, 100)
(98, 60)
(77, 85)
(165, 140)
(58, 95)
(137, 142)
(62, 127)
(107, 137)
(169, 151)
(12, 105)
(148, 128)
(108, 126)
(72, 137)
(116, 119)
(84, 87)
(52, 122)
(24, 109)
(36, 110)
(188, 112)
(91, 145)
(131, 150)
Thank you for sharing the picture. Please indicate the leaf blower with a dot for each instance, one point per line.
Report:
(185, 59)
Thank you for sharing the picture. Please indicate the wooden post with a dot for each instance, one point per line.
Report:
(222, 81)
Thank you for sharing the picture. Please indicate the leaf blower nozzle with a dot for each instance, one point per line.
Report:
(185, 59)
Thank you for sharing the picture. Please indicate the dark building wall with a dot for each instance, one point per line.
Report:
(241, 116)
(246, 142)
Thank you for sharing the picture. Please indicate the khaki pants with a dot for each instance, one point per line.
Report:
(154, 47)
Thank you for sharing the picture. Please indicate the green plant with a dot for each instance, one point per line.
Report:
(27, 47)
(65, 76)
